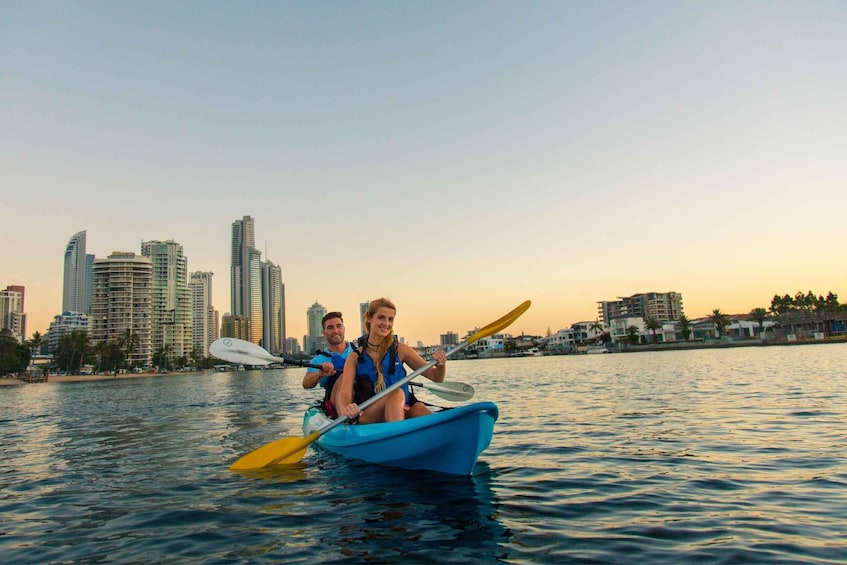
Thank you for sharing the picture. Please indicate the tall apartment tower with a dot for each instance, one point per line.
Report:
(121, 299)
(205, 317)
(273, 308)
(246, 276)
(77, 284)
(660, 306)
(12, 316)
(314, 340)
(172, 323)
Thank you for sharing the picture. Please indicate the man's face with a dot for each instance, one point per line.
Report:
(334, 331)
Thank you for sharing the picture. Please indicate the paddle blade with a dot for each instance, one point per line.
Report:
(453, 391)
(501, 323)
(239, 351)
(457, 392)
(283, 451)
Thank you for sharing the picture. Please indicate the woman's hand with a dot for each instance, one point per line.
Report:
(440, 358)
(351, 411)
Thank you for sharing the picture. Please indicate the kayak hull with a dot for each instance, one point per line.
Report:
(448, 441)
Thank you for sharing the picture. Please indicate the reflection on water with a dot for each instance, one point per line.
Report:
(713, 456)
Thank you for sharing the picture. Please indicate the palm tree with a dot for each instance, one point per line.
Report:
(652, 324)
(128, 342)
(685, 327)
(35, 342)
(596, 327)
(759, 315)
(74, 349)
(720, 320)
(632, 331)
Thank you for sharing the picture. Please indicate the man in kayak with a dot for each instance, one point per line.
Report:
(330, 359)
(378, 363)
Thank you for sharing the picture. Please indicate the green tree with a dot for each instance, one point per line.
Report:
(781, 304)
(161, 357)
(720, 320)
(632, 331)
(14, 357)
(111, 355)
(759, 315)
(34, 344)
(685, 327)
(128, 343)
(652, 324)
(74, 350)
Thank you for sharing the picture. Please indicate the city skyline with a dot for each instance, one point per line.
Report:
(456, 158)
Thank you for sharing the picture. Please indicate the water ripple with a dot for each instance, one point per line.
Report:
(699, 456)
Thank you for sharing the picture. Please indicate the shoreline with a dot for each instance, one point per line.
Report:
(110, 377)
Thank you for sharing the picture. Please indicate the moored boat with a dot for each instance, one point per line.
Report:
(447, 441)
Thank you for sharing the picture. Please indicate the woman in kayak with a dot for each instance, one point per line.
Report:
(376, 365)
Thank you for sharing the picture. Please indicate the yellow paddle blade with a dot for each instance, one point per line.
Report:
(280, 452)
(501, 323)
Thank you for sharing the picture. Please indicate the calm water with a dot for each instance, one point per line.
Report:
(708, 456)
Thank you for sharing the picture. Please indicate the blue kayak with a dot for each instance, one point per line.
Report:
(447, 441)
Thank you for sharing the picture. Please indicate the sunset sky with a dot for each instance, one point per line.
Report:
(457, 157)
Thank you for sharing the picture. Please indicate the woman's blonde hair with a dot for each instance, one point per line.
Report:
(386, 342)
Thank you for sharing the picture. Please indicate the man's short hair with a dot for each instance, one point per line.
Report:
(330, 316)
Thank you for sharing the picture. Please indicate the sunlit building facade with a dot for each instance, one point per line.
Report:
(121, 301)
(171, 315)
(205, 317)
(77, 275)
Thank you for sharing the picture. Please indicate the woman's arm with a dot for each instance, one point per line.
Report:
(343, 389)
(411, 358)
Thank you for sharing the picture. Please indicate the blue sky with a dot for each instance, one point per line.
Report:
(458, 157)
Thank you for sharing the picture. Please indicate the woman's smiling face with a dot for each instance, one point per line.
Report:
(382, 321)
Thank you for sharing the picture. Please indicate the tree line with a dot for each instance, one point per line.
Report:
(75, 351)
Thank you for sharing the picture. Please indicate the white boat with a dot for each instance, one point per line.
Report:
(597, 348)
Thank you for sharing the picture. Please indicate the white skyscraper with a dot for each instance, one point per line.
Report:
(121, 298)
(170, 312)
(76, 290)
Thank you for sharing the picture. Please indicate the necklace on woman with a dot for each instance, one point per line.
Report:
(372, 345)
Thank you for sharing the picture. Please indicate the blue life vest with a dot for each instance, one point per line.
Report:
(393, 370)
(337, 360)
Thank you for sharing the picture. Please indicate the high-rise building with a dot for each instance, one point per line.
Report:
(314, 340)
(12, 316)
(121, 301)
(292, 347)
(363, 308)
(171, 316)
(246, 277)
(77, 289)
(659, 306)
(273, 308)
(206, 325)
(63, 324)
(448, 340)
(235, 326)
